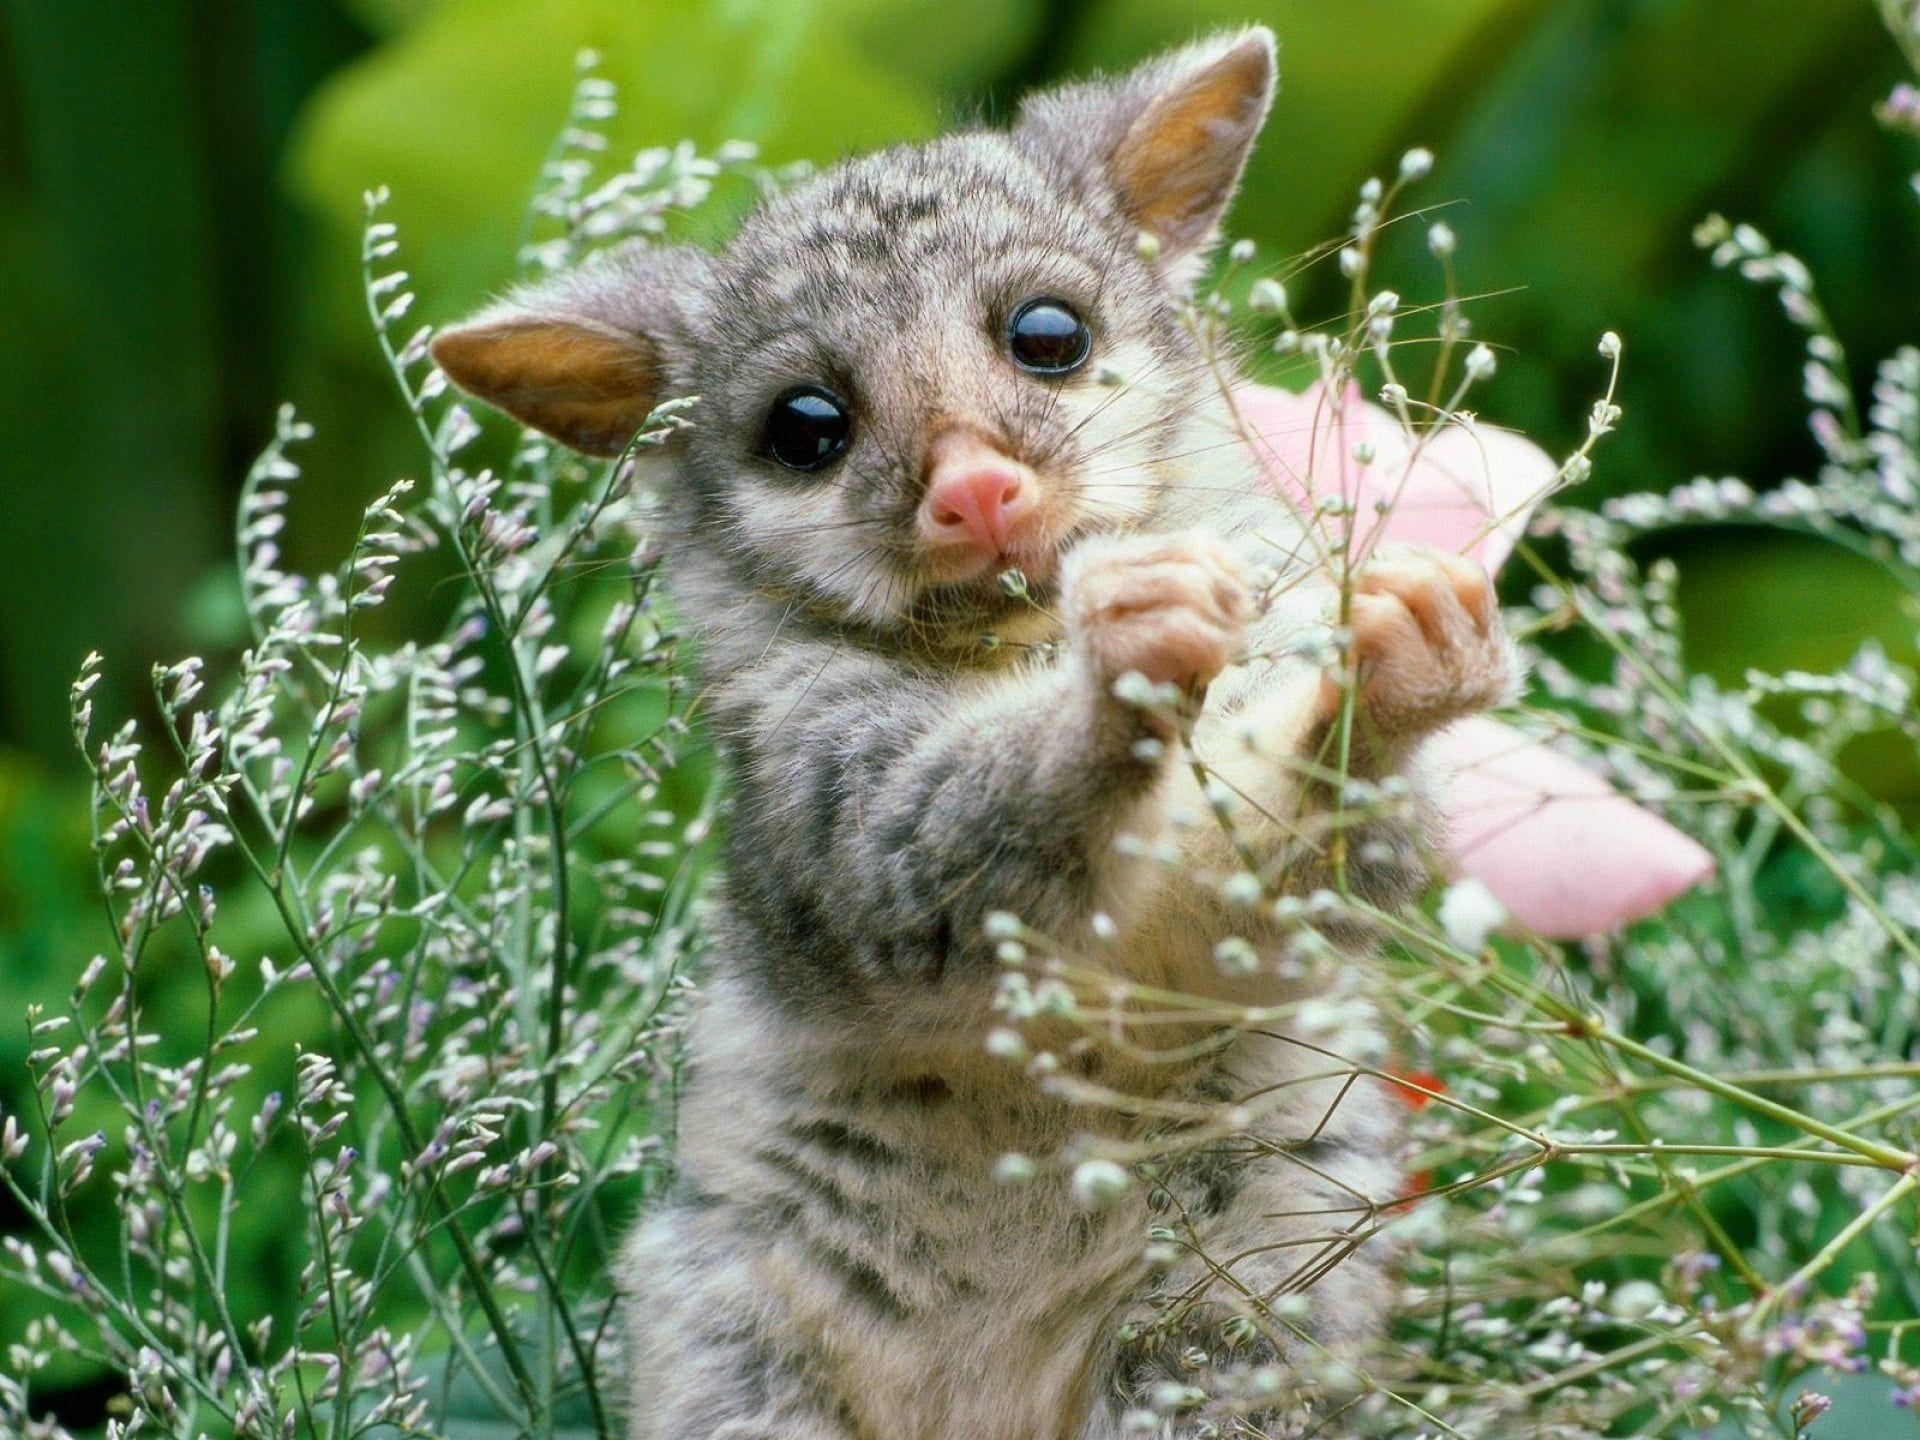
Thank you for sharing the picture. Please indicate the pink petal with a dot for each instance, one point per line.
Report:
(1468, 490)
(1563, 851)
(1473, 491)
(1290, 429)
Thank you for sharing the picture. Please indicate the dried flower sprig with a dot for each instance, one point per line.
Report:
(1594, 1113)
(479, 887)
(1653, 1200)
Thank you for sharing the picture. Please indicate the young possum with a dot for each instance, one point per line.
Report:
(915, 371)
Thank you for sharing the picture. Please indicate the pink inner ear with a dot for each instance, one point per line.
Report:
(1176, 167)
(581, 383)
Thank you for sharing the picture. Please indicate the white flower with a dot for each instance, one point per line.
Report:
(1098, 1183)
(1267, 296)
(1469, 913)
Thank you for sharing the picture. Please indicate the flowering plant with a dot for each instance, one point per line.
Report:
(1598, 1132)
(440, 896)
(1551, 843)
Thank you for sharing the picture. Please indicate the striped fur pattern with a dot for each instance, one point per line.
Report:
(836, 1260)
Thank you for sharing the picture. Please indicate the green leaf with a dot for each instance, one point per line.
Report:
(390, 17)
(457, 114)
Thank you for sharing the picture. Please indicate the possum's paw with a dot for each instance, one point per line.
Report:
(1428, 644)
(1171, 607)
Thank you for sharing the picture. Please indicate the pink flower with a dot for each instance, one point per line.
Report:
(1564, 852)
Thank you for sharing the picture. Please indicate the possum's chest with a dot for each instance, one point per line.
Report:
(1006, 1336)
(840, 1245)
(936, 1300)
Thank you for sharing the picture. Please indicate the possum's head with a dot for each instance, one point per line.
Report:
(924, 366)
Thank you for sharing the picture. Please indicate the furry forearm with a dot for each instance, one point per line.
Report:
(920, 805)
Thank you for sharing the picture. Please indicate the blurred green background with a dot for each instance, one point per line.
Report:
(180, 203)
(180, 186)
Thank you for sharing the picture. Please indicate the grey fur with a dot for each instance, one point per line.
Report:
(836, 1260)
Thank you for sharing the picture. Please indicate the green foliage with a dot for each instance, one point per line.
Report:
(175, 262)
(180, 206)
(458, 112)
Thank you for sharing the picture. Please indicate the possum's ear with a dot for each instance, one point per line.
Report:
(1169, 139)
(582, 356)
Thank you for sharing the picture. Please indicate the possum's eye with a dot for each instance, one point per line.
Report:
(807, 429)
(1047, 337)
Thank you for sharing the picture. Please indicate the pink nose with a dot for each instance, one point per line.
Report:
(975, 495)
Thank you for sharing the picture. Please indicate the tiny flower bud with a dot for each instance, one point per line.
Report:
(1241, 888)
(1007, 1044)
(1267, 296)
(1469, 913)
(1002, 926)
(1014, 1169)
(1098, 1183)
(1236, 956)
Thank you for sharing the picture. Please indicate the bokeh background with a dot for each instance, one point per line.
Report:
(180, 205)
(180, 201)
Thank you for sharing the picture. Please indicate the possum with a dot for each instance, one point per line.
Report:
(982, 581)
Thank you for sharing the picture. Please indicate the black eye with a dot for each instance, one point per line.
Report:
(807, 429)
(1048, 338)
